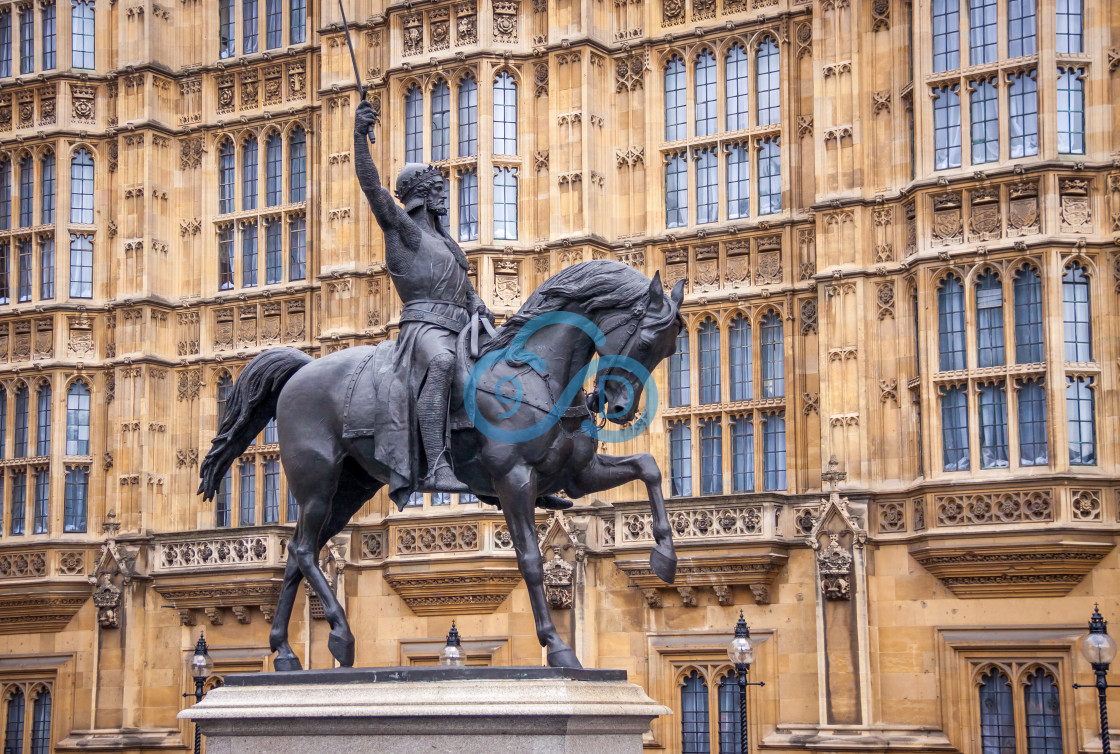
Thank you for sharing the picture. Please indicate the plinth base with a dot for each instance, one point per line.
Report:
(426, 709)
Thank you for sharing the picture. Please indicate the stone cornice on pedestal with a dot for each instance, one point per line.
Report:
(1048, 565)
(754, 566)
(456, 591)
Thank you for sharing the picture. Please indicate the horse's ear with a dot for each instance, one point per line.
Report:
(656, 293)
(678, 293)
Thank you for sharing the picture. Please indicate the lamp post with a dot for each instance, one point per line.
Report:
(201, 668)
(1099, 649)
(741, 653)
(452, 652)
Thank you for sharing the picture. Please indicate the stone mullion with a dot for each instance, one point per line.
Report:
(1054, 343)
(486, 74)
(1047, 79)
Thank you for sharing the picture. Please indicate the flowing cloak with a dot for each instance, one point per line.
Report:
(434, 288)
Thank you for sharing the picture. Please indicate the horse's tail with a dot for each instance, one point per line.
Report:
(251, 404)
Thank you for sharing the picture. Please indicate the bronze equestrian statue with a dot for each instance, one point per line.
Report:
(335, 414)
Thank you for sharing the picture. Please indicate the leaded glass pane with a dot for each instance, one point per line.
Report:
(993, 426)
(1081, 422)
(738, 82)
(985, 121)
(1032, 424)
(679, 378)
(1044, 714)
(741, 362)
(946, 128)
(1076, 314)
(946, 35)
(675, 100)
(1071, 111)
(694, 715)
(1028, 317)
(1022, 104)
(676, 192)
(989, 320)
(954, 429)
(950, 325)
(710, 362)
(705, 93)
(997, 718)
(711, 457)
(680, 459)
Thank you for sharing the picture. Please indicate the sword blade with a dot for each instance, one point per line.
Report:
(354, 60)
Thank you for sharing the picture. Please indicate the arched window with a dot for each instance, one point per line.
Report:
(1076, 314)
(1044, 718)
(5, 194)
(984, 104)
(19, 503)
(77, 493)
(675, 100)
(20, 423)
(680, 459)
(946, 35)
(225, 257)
(1071, 110)
(42, 501)
(41, 723)
(954, 429)
(297, 21)
(297, 166)
(249, 255)
(982, 31)
(729, 714)
(679, 378)
(225, 387)
(950, 324)
(676, 191)
(505, 114)
(82, 35)
(441, 122)
(26, 191)
(46, 267)
(273, 24)
(468, 116)
(43, 425)
(739, 182)
(222, 500)
(705, 93)
(773, 356)
(1032, 424)
(77, 420)
(81, 265)
(989, 320)
(413, 125)
(742, 453)
(247, 501)
(81, 187)
(707, 187)
(1028, 317)
(227, 39)
(993, 426)
(709, 362)
(47, 189)
(735, 70)
(271, 512)
(468, 205)
(711, 457)
(997, 716)
(1069, 26)
(249, 174)
(695, 737)
(767, 74)
(774, 450)
(225, 177)
(1081, 421)
(6, 43)
(250, 24)
(1022, 106)
(273, 170)
(505, 203)
(1021, 28)
(13, 728)
(946, 127)
(769, 177)
(50, 38)
(742, 367)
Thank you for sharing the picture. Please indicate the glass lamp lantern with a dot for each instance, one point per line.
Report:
(1098, 647)
(452, 653)
(740, 651)
(201, 664)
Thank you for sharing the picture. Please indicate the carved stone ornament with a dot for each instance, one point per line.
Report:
(835, 566)
(558, 583)
(116, 566)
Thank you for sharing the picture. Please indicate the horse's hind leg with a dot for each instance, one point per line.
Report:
(278, 637)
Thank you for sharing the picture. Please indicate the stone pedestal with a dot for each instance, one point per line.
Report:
(426, 709)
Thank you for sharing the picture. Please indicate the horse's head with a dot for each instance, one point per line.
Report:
(645, 333)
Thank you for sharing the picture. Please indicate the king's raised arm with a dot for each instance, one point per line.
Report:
(389, 214)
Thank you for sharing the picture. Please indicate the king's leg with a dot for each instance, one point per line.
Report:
(431, 412)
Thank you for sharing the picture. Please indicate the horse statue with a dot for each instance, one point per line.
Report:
(521, 427)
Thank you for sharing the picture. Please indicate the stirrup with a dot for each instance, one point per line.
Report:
(442, 479)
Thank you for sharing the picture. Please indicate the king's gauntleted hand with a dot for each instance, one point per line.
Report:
(364, 120)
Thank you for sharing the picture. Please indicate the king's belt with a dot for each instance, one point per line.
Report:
(445, 314)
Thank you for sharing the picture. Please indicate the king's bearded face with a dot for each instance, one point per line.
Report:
(436, 200)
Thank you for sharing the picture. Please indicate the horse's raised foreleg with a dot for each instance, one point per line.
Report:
(607, 472)
(518, 493)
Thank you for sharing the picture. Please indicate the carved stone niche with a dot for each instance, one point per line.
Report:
(456, 591)
(1039, 565)
(110, 579)
(753, 566)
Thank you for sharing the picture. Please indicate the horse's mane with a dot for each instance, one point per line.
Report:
(599, 285)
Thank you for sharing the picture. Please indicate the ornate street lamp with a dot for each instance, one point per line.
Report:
(452, 653)
(201, 668)
(1099, 649)
(741, 653)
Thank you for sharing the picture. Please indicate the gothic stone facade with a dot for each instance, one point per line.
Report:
(897, 220)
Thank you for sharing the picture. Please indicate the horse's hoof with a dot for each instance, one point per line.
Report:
(283, 664)
(664, 565)
(563, 658)
(342, 648)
